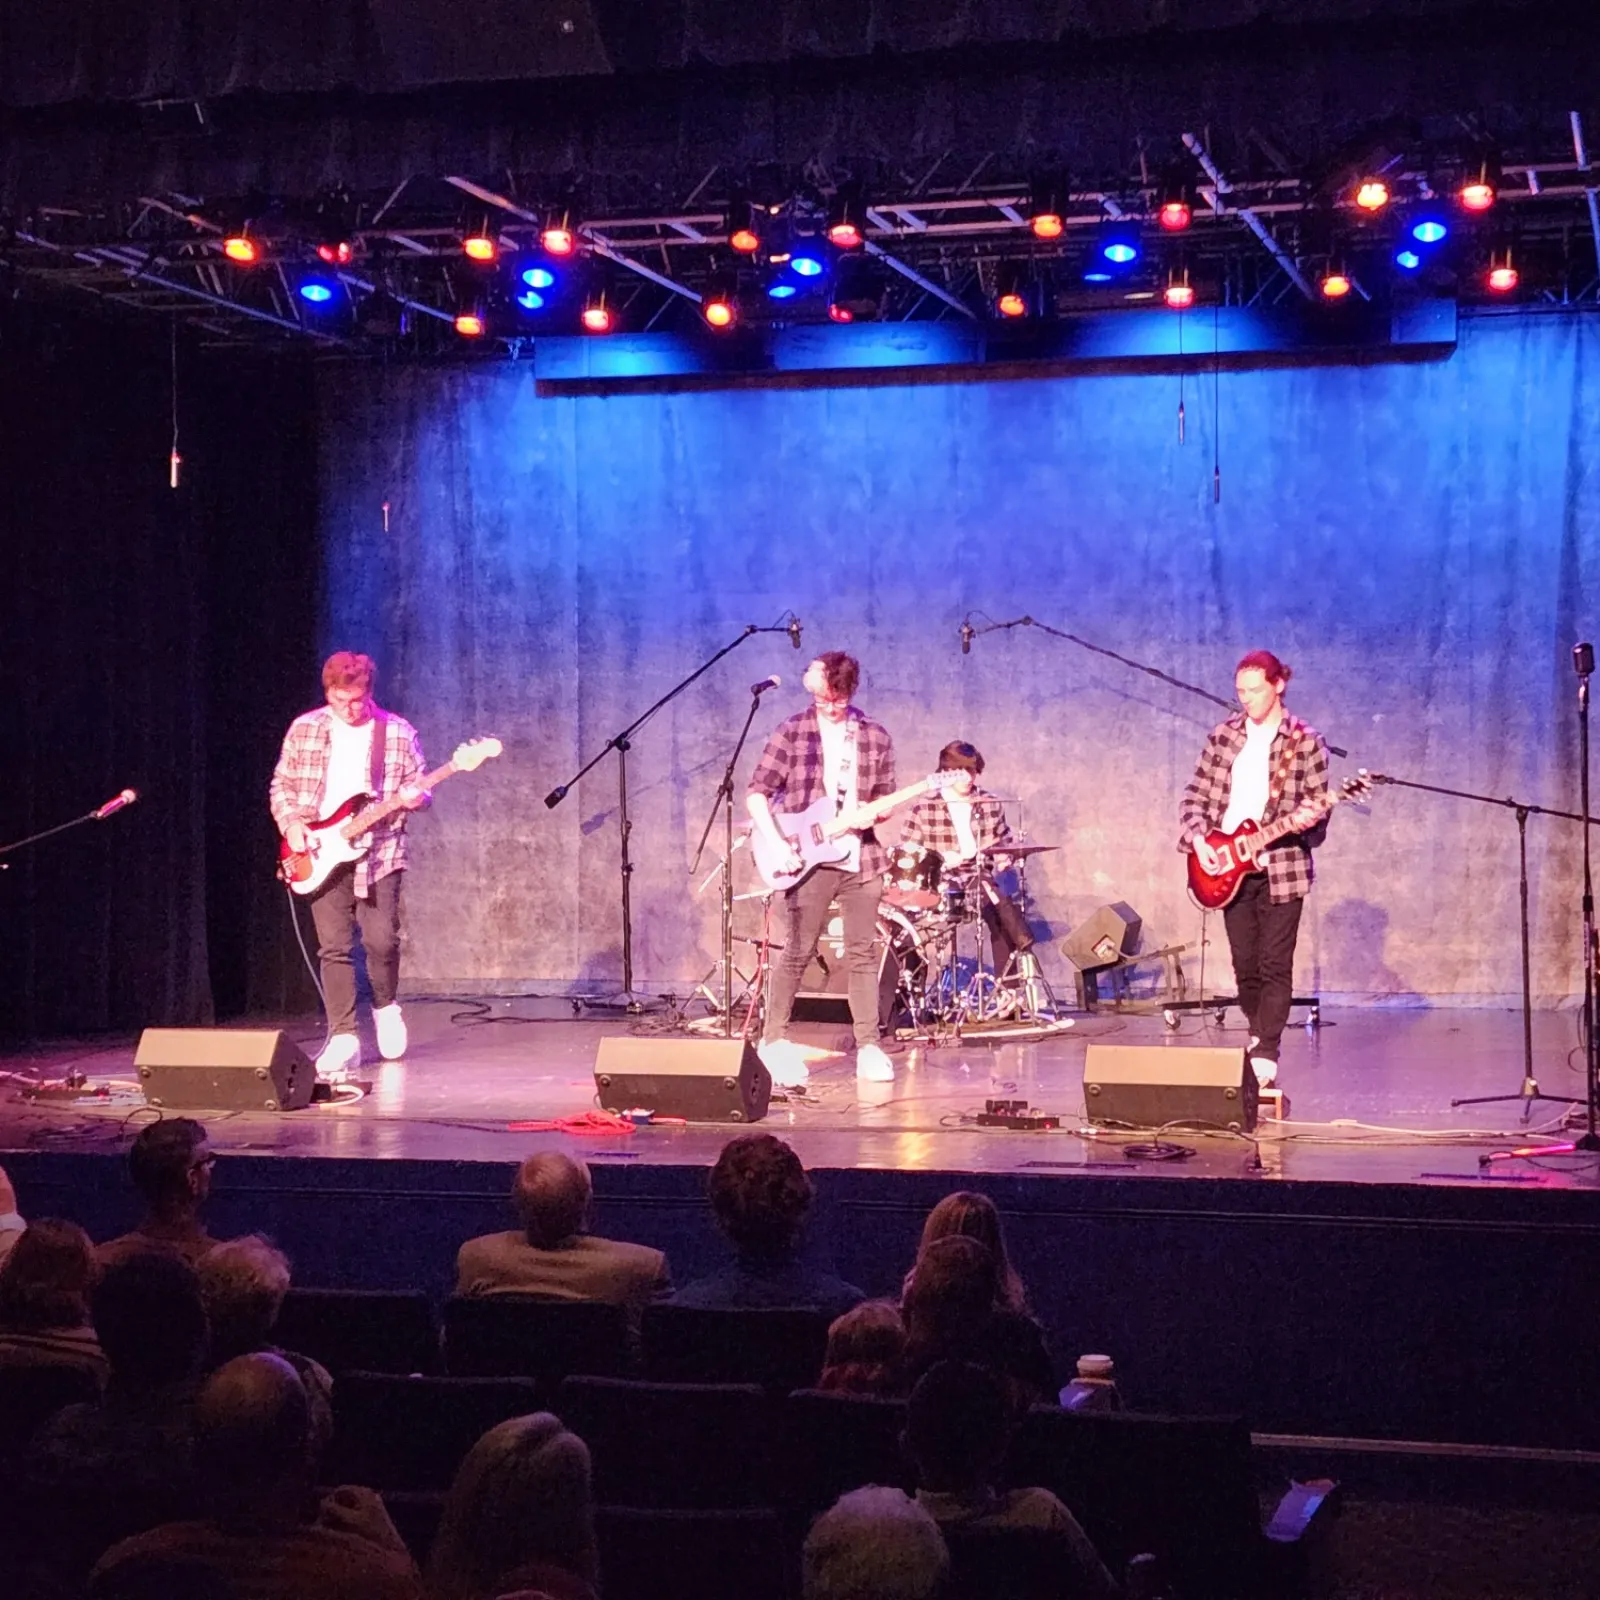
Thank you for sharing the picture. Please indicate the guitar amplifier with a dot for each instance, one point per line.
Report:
(1151, 1086)
(223, 1069)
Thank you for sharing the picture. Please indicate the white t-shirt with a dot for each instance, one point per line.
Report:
(1252, 774)
(349, 763)
(961, 820)
(835, 736)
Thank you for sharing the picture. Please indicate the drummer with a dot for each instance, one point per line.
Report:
(966, 827)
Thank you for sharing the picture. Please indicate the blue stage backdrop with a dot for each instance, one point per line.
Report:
(1418, 540)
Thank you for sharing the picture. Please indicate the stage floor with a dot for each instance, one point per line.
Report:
(1369, 1099)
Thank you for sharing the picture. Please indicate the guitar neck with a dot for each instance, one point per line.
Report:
(889, 801)
(364, 821)
(1283, 827)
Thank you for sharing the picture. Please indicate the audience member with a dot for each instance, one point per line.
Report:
(760, 1195)
(874, 1544)
(951, 1312)
(973, 1216)
(519, 1518)
(866, 1351)
(959, 1426)
(11, 1223)
(553, 1254)
(266, 1536)
(243, 1282)
(170, 1165)
(44, 1300)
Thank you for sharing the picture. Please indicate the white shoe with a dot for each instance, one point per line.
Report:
(784, 1061)
(390, 1023)
(873, 1065)
(341, 1055)
(1266, 1071)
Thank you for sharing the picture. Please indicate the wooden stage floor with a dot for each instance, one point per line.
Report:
(1369, 1097)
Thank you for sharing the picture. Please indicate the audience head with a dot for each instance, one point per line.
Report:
(760, 1194)
(150, 1320)
(875, 1544)
(252, 1435)
(170, 1165)
(520, 1499)
(953, 1290)
(8, 1195)
(959, 1423)
(552, 1193)
(242, 1282)
(971, 1215)
(46, 1279)
(865, 1349)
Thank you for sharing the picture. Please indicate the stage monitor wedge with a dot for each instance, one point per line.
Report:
(1152, 1086)
(1104, 937)
(700, 1080)
(223, 1069)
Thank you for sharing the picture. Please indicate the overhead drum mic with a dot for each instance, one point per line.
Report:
(765, 684)
(967, 631)
(794, 632)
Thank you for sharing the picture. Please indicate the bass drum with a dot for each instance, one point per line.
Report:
(902, 972)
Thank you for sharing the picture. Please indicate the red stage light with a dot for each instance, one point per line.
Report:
(469, 325)
(1335, 286)
(1011, 304)
(337, 252)
(242, 248)
(1175, 216)
(559, 240)
(597, 318)
(1372, 194)
(1047, 225)
(1503, 279)
(845, 235)
(744, 240)
(1476, 194)
(718, 312)
(841, 313)
(480, 247)
(1179, 296)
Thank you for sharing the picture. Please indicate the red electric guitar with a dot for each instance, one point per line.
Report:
(1240, 852)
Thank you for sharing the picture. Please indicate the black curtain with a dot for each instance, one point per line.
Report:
(151, 639)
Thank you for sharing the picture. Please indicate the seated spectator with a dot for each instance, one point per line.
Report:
(973, 1216)
(959, 1426)
(170, 1165)
(874, 1544)
(11, 1223)
(866, 1351)
(760, 1195)
(243, 1283)
(266, 1535)
(44, 1300)
(951, 1314)
(519, 1518)
(553, 1254)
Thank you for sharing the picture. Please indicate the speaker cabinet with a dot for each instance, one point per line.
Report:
(223, 1069)
(1107, 935)
(1149, 1086)
(824, 993)
(701, 1080)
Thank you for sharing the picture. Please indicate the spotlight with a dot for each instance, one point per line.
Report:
(1011, 304)
(558, 238)
(531, 300)
(1502, 276)
(1012, 290)
(1372, 194)
(1176, 211)
(845, 218)
(470, 324)
(316, 291)
(1479, 190)
(538, 277)
(1118, 242)
(839, 313)
(858, 290)
(804, 265)
(240, 247)
(597, 315)
(1335, 284)
(1430, 230)
(1407, 259)
(744, 233)
(336, 252)
(481, 247)
(1179, 293)
(718, 312)
(782, 289)
(719, 304)
(1047, 208)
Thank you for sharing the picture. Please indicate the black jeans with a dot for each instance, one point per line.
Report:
(337, 914)
(1008, 928)
(802, 915)
(1262, 937)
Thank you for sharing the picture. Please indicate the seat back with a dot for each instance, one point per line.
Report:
(687, 1446)
(360, 1330)
(519, 1335)
(693, 1555)
(781, 1349)
(1010, 1564)
(832, 1443)
(30, 1393)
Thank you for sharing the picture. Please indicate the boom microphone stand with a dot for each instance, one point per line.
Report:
(99, 814)
(621, 743)
(1589, 1140)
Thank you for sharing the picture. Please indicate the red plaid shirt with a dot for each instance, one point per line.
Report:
(297, 783)
(931, 825)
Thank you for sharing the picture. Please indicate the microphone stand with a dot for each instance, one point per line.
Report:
(1589, 1141)
(99, 814)
(621, 743)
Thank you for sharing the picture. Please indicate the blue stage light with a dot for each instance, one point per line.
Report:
(781, 290)
(1407, 260)
(1429, 230)
(316, 291)
(538, 277)
(1118, 242)
(806, 266)
(1096, 275)
(1119, 254)
(531, 300)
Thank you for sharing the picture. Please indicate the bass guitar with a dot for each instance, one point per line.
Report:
(340, 838)
(818, 834)
(1239, 853)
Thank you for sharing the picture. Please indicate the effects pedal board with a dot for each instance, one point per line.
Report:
(1015, 1114)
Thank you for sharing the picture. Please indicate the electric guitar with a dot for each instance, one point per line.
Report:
(340, 838)
(1240, 852)
(817, 834)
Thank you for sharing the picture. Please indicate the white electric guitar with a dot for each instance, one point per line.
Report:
(818, 835)
(341, 837)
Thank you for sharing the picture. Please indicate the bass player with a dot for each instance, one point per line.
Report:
(1261, 764)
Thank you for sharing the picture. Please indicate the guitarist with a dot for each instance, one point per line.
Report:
(829, 749)
(347, 747)
(1263, 763)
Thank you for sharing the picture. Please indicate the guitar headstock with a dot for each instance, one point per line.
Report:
(941, 781)
(1357, 788)
(470, 756)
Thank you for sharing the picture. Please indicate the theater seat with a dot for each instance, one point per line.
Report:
(780, 1349)
(360, 1330)
(693, 1555)
(518, 1335)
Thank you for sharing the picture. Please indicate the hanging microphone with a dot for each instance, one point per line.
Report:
(967, 631)
(1583, 659)
(113, 806)
(794, 632)
(765, 684)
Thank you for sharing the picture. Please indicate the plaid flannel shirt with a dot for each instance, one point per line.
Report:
(931, 825)
(790, 775)
(1298, 772)
(297, 783)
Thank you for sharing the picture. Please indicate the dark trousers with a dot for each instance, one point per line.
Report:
(1008, 928)
(802, 915)
(1261, 936)
(337, 915)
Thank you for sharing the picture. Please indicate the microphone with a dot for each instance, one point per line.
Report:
(967, 631)
(113, 806)
(767, 683)
(794, 632)
(1583, 659)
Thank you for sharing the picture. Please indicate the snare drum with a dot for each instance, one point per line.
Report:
(913, 879)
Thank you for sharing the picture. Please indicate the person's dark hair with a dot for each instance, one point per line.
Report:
(348, 669)
(552, 1192)
(243, 1283)
(959, 756)
(841, 672)
(46, 1279)
(865, 1349)
(150, 1320)
(972, 1215)
(760, 1193)
(1265, 662)
(954, 1287)
(959, 1422)
(160, 1159)
(252, 1426)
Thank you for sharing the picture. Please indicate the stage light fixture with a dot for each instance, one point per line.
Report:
(805, 265)
(1372, 194)
(782, 289)
(531, 300)
(1179, 292)
(846, 218)
(718, 311)
(1047, 207)
(470, 324)
(559, 238)
(1176, 213)
(1407, 259)
(1335, 285)
(1118, 243)
(538, 277)
(1502, 276)
(241, 248)
(744, 226)
(481, 247)
(1011, 304)
(859, 285)
(597, 316)
(316, 291)
(1430, 230)
(1480, 188)
(839, 313)
(336, 252)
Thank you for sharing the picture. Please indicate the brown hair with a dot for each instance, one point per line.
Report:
(46, 1279)
(759, 1193)
(841, 672)
(1265, 662)
(971, 1215)
(959, 756)
(865, 1349)
(346, 669)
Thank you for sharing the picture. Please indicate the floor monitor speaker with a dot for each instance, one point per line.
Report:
(1107, 934)
(223, 1069)
(701, 1080)
(1150, 1086)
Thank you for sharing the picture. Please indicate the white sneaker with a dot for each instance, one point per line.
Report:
(390, 1023)
(783, 1060)
(341, 1055)
(873, 1065)
(1266, 1071)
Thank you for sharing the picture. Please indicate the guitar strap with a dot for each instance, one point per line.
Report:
(380, 745)
(1294, 730)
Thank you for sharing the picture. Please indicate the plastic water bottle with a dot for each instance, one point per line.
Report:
(1094, 1388)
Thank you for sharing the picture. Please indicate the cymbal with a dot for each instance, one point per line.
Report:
(1017, 849)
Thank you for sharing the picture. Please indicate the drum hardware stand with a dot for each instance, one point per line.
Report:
(621, 742)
